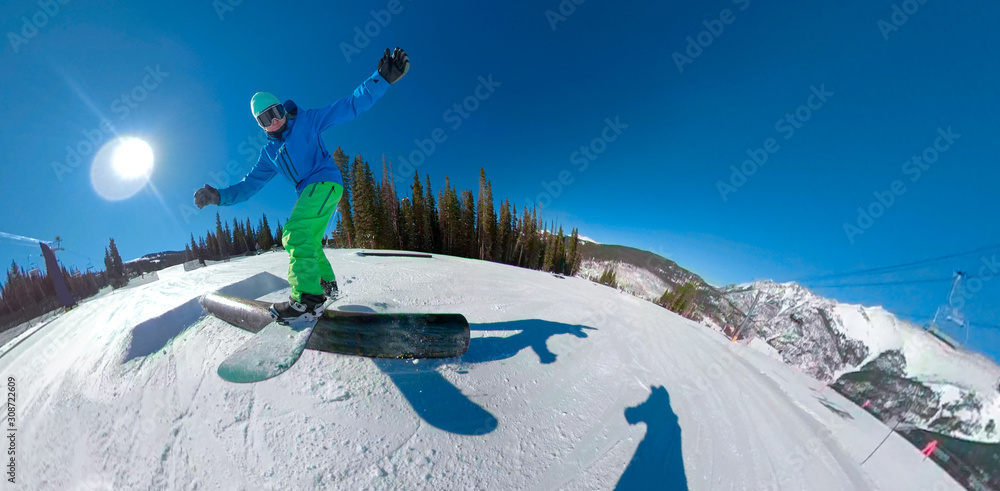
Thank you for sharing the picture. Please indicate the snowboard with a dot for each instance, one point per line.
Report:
(268, 354)
(275, 348)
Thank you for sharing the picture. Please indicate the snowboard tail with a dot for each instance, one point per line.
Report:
(268, 354)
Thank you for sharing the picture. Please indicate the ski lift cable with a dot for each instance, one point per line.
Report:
(897, 267)
(888, 283)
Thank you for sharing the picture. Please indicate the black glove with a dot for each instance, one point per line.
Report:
(393, 66)
(206, 196)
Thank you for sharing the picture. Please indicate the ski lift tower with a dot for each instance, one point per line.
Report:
(746, 315)
(949, 315)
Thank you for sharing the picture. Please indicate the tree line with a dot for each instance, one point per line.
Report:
(454, 222)
(28, 293)
(225, 242)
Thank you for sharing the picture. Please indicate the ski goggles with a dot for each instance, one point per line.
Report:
(267, 117)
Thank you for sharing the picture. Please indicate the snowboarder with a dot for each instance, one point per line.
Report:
(295, 149)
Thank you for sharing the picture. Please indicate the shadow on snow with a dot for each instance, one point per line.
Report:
(833, 408)
(658, 461)
(444, 406)
(154, 334)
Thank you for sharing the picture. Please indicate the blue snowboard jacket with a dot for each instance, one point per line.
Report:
(299, 153)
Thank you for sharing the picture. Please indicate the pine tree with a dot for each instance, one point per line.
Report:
(202, 249)
(486, 223)
(12, 288)
(681, 300)
(406, 232)
(188, 254)
(421, 222)
(114, 266)
(345, 224)
(549, 259)
(264, 238)
(221, 247)
(239, 241)
(366, 226)
(470, 244)
(195, 250)
(213, 246)
(451, 214)
(559, 256)
(226, 245)
(501, 247)
(573, 262)
(522, 242)
(432, 217)
(389, 209)
(250, 236)
(279, 238)
(533, 240)
(608, 277)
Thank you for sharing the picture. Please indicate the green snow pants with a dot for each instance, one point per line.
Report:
(303, 238)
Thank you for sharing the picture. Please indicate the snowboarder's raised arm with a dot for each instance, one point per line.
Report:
(390, 69)
(256, 179)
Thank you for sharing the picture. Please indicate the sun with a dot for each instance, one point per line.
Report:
(133, 158)
(122, 167)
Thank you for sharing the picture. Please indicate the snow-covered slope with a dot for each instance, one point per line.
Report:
(566, 385)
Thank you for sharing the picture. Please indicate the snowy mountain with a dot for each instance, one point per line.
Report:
(949, 391)
(871, 355)
(566, 385)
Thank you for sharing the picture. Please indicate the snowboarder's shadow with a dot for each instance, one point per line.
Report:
(827, 403)
(658, 462)
(534, 334)
(444, 406)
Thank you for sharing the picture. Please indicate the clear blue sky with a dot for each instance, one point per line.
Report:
(655, 186)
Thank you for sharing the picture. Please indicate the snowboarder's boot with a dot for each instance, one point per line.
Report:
(330, 288)
(308, 309)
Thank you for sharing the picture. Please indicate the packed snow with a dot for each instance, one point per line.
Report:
(566, 385)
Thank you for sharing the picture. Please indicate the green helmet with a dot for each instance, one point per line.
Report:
(261, 101)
